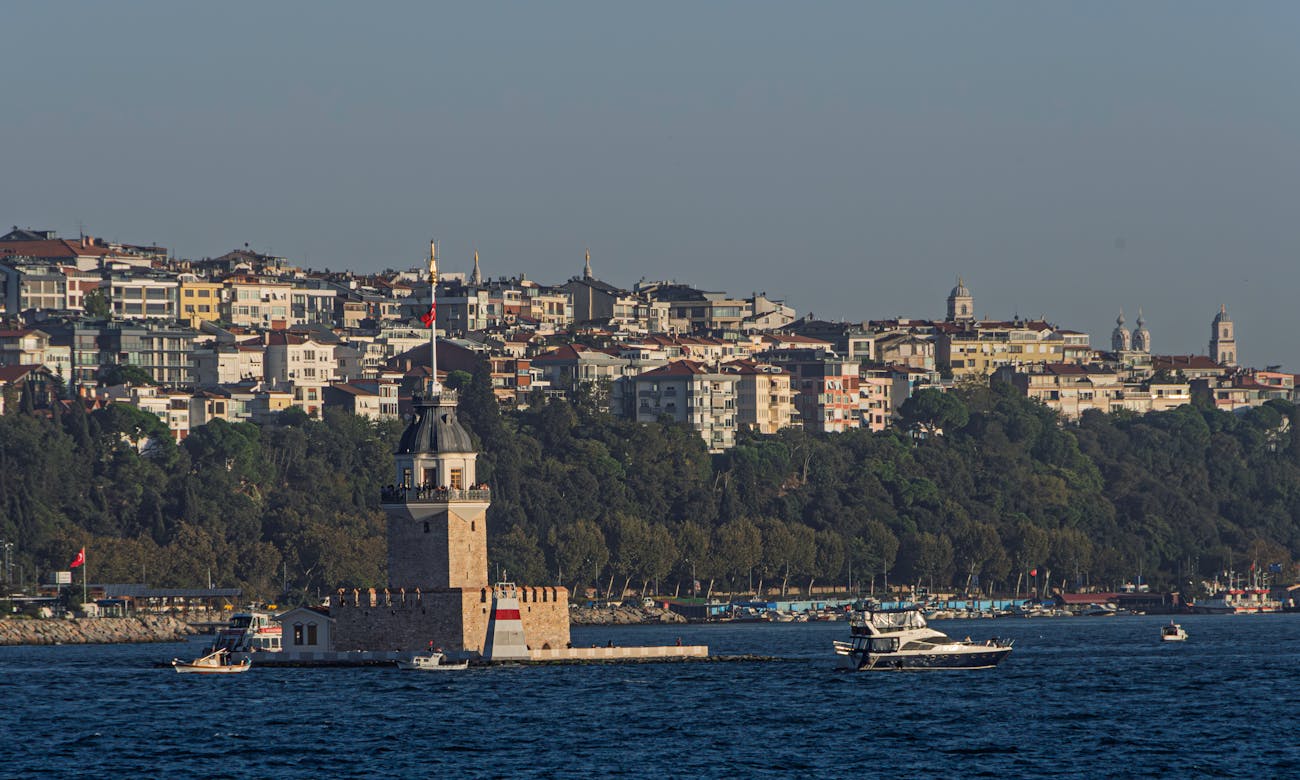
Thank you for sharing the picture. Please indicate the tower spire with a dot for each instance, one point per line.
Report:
(586, 271)
(434, 387)
(476, 278)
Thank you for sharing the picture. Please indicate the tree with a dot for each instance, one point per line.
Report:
(518, 555)
(738, 548)
(932, 411)
(124, 374)
(581, 552)
(96, 305)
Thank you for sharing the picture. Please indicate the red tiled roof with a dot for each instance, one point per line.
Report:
(678, 368)
(569, 352)
(52, 249)
(14, 373)
(1183, 361)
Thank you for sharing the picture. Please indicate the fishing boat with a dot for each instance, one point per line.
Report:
(430, 662)
(1173, 633)
(216, 662)
(900, 639)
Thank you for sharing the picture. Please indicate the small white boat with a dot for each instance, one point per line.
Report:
(215, 662)
(430, 662)
(1172, 633)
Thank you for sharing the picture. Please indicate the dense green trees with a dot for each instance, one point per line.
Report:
(993, 487)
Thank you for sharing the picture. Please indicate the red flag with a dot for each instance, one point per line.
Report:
(1033, 572)
(80, 559)
(432, 315)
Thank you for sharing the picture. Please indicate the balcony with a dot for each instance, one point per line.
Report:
(403, 495)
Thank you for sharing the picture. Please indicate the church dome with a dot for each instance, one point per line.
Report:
(435, 429)
(960, 291)
(1222, 316)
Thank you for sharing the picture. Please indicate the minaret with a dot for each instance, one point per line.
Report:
(1120, 339)
(1223, 340)
(961, 304)
(586, 271)
(1141, 336)
(476, 278)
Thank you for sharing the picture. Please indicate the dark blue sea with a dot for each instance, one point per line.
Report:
(1079, 697)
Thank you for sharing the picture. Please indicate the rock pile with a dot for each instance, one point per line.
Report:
(621, 616)
(89, 631)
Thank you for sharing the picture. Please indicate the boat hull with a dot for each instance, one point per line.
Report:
(920, 662)
(184, 668)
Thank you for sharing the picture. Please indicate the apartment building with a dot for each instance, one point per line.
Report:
(693, 394)
(826, 388)
(764, 399)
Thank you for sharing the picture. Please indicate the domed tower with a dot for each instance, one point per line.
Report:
(1223, 339)
(1120, 338)
(961, 304)
(1141, 336)
(437, 536)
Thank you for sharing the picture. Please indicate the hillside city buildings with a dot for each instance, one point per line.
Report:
(246, 336)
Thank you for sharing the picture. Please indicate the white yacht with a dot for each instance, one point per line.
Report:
(1173, 633)
(900, 639)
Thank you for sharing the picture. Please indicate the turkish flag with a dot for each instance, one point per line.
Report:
(432, 315)
(1033, 572)
(80, 559)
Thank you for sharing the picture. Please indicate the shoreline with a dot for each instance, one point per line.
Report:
(94, 631)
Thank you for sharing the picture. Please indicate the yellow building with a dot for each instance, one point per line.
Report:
(199, 300)
(978, 351)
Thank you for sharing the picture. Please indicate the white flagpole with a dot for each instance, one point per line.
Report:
(84, 575)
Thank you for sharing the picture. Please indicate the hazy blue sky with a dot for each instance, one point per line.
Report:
(1066, 158)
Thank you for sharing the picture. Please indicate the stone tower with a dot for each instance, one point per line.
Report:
(1223, 339)
(1141, 336)
(1120, 339)
(437, 527)
(961, 304)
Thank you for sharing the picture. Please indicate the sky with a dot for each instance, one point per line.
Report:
(1068, 159)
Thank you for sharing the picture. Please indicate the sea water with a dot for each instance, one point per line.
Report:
(1079, 697)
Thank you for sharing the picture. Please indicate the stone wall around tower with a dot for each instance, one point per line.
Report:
(455, 620)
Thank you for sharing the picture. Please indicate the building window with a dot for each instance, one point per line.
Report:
(311, 633)
(297, 633)
(457, 479)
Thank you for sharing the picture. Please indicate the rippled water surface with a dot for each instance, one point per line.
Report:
(1081, 697)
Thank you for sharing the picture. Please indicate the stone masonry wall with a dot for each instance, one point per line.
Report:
(455, 620)
(438, 546)
(383, 620)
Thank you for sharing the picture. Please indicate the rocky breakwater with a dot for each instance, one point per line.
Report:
(621, 616)
(94, 631)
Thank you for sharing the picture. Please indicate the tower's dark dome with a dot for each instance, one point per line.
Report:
(435, 429)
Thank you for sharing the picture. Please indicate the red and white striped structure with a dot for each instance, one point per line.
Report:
(505, 639)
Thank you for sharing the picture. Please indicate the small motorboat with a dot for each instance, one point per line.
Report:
(216, 662)
(1172, 633)
(430, 662)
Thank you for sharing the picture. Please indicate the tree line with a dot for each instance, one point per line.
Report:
(975, 490)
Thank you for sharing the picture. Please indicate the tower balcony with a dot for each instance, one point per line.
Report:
(397, 494)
